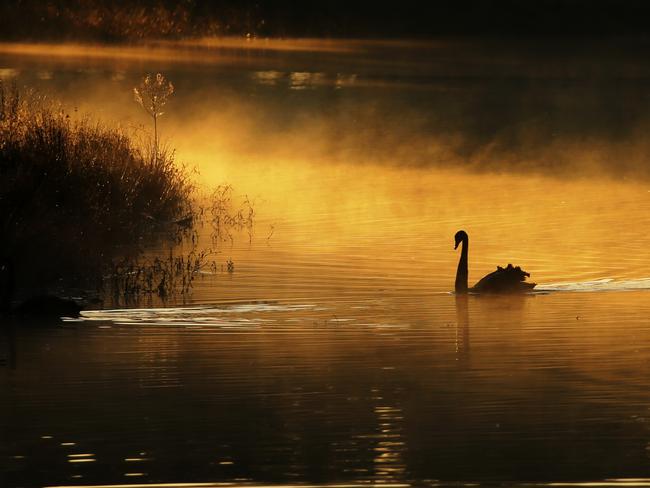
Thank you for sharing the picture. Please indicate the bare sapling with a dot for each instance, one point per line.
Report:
(152, 95)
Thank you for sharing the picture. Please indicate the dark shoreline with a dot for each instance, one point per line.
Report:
(122, 20)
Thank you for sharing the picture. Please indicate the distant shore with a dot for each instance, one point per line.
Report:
(127, 21)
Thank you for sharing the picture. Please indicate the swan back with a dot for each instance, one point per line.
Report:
(504, 280)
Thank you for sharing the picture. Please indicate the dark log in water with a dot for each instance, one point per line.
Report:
(43, 306)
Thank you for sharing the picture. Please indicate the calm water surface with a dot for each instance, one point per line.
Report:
(335, 352)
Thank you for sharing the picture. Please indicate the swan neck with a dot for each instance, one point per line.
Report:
(461, 272)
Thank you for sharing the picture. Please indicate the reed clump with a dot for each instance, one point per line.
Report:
(220, 217)
(132, 279)
(73, 190)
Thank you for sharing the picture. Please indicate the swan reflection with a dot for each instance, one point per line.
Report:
(462, 330)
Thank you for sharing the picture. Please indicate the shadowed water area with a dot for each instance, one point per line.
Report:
(335, 352)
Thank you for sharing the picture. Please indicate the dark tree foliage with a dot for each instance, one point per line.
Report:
(122, 20)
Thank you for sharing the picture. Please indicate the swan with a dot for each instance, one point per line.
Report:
(42, 306)
(511, 279)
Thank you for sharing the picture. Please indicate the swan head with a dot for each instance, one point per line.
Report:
(460, 236)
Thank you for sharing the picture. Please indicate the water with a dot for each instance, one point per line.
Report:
(335, 352)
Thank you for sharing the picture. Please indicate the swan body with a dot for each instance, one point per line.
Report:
(504, 280)
(42, 306)
(511, 279)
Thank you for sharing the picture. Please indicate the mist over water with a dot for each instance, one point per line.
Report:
(335, 352)
(572, 107)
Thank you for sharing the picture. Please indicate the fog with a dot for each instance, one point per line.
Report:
(571, 108)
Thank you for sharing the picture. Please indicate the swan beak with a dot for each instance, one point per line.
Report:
(456, 246)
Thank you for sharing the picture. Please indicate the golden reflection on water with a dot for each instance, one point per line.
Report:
(385, 389)
(88, 52)
(388, 462)
(178, 50)
(399, 223)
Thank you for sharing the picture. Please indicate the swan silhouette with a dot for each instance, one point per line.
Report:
(511, 279)
(41, 306)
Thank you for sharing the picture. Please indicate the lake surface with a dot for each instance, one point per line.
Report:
(335, 352)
